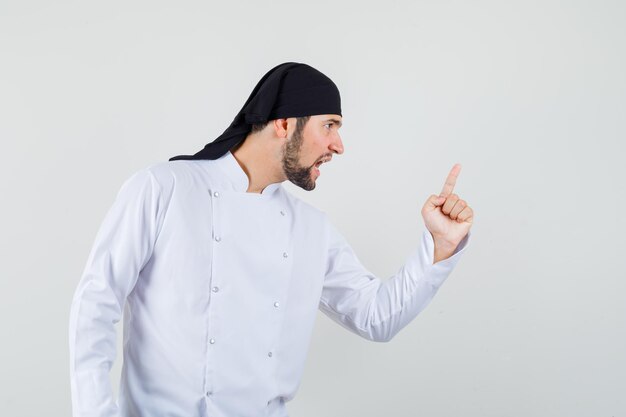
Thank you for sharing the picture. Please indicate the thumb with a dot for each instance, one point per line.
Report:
(435, 200)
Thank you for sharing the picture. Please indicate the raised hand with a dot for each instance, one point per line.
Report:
(446, 216)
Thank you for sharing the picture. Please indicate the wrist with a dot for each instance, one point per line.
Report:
(441, 254)
(443, 243)
(443, 249)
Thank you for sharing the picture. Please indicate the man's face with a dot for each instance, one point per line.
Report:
(309, 146)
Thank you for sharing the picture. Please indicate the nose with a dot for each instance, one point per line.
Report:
(337, 145)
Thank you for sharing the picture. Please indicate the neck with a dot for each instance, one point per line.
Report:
(261, 164)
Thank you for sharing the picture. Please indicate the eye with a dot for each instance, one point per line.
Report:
(328, 124)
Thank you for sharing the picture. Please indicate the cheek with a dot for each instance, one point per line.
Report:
(314, 145)
(320, 144)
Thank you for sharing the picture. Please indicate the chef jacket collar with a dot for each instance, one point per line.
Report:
(238, 177)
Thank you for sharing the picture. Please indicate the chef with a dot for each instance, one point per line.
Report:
(218, 271)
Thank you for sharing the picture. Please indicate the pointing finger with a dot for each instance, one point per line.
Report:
(448, 187)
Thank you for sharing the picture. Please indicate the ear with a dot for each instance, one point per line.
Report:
(281, 127)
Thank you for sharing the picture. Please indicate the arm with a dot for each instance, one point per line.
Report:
(123, 245)
(375, 309)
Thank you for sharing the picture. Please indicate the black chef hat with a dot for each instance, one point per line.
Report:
(290, 89)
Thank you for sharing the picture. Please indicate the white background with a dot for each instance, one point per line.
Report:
(529, 96)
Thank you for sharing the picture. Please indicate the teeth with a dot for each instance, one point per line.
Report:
(322, 161)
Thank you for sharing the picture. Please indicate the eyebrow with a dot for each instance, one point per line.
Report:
(335, 120)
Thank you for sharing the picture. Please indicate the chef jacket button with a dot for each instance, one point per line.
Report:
(212, 341)
(216, 194)
(285, 254)
(269, 354)
(209, 393)
(282, 212)
(217, 238)
(216, 289)
(276, 304)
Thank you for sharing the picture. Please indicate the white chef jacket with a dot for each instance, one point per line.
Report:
(219, 290)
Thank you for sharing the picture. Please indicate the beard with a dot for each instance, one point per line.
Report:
(297, 174)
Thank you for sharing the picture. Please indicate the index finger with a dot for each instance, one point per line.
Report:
(448, 187)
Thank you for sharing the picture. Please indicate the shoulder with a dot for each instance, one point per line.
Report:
(163, 179)
(180, 174)
(166, 172)
(314, 215)
(299, 204)
(316, 222)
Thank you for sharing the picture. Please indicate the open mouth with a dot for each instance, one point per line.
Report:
(319, 163)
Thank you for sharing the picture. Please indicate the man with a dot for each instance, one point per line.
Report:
(218, 271)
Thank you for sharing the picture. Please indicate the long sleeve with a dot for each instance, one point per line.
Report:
(123, 245)
(375, 309)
